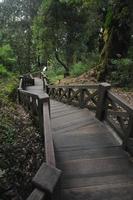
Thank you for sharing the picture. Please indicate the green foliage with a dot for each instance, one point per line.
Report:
(123, 73)
(16, 18)
(109, 18)
(7, 57)
(8, 85)
(78, 69)
(55, 74)
(67, 27)
(3, 72)
(82, 67)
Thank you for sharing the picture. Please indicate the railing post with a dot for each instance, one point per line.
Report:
(102, 100)
(81, 100)
(69, 95)
(40, 112)
(130, 126)
(40, 115)
(128, 140)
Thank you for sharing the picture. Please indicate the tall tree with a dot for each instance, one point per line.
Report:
(65, 30)
(116, 36)
(16, 21)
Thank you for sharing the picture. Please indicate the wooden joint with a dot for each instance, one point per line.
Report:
(46, 178)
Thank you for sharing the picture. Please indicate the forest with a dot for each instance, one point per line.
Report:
(69, 36)
(84, 40)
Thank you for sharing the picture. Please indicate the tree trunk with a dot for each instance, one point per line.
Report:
(63, 64)
(116, 35)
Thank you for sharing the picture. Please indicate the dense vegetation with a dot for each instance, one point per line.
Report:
(21, 147)
(69, 36)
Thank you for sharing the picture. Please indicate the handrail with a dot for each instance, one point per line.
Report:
(49, 147)
(39, 103)
(98, 97)
(107, 105)
(84, 96)
(120, 101)
(93, 86)
(119, 115)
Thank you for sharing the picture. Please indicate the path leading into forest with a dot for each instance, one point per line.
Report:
(94, 165)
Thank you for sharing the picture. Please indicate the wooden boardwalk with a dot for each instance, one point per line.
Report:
(94, 165)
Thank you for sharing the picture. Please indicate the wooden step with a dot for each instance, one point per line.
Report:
(90, 172)
(94, 167)
(108, 152)
(120, 191)
(83, 140)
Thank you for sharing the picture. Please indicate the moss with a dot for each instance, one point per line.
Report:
(109, 18)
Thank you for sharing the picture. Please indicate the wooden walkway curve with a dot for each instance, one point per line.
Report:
(94, 165)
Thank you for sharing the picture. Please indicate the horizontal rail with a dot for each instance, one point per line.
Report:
(39, 104)
(119, 115)
(120, 101)
(49, 147)
(42, 105)
(84, 96)
(98, 97)
(91, 86)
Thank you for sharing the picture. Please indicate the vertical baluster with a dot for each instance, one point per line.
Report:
(102, 100)
(82, 98)
(128, 140)
(69, 95)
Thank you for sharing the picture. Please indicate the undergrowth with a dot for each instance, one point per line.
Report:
(21, 147)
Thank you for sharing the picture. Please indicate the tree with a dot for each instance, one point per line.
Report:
(116, 36)
(7, 57)
(65, 30)
(16, 20)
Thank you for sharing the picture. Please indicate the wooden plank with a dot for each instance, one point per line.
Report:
(37, 195)
(49, 148)
(63, 113)
(95, 167)
(103, 179)
(70, 124)
(118, 191)
(110, 152)
(72, 114)
(63, 109)
(90, 86)
(93, 140)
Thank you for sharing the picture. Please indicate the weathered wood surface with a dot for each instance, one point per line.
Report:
(94, 165)
(47, 176)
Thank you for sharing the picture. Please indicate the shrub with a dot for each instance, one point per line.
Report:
(3, 72)
(123, 73)
(78, 69)
(55, 74)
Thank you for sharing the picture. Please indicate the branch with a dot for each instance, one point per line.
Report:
(58, 59)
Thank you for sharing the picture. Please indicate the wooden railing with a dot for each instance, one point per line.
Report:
(108, 106)
(120, 117)
(26, 80)
(39, 105)
(84, 96)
